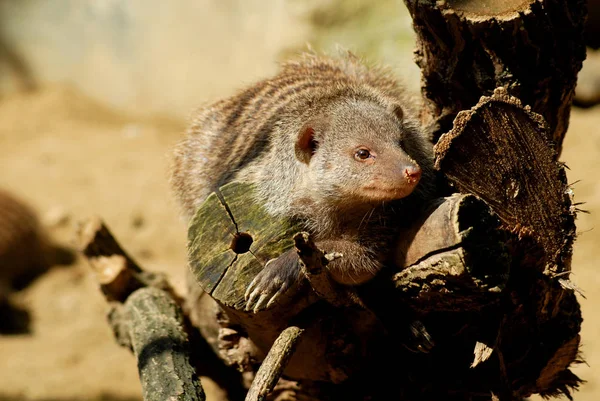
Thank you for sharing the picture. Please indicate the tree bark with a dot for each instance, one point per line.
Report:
(468, 48)
(498, 151)
(160, 344)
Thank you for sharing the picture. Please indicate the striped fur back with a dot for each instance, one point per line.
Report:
(233, 134)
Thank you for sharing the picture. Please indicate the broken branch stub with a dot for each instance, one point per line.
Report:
(498, 151)
(467, 48)
(314, 265)
(116, 272)
(454, 259)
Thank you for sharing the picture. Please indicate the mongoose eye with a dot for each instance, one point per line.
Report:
(362, 154)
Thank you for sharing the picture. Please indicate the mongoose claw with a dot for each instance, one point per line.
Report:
(276, 278)
(420, 341)
(264, 290)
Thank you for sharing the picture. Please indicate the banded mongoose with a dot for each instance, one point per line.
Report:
(26, 252)
(327, 141)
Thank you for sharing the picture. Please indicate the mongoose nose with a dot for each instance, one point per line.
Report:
(412, 174)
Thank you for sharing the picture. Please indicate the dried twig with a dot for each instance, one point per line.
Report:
(314, 262)
(274, 364)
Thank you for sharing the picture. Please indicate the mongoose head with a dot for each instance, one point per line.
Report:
(360, 151)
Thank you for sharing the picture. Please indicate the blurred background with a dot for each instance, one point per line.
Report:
(94, 93)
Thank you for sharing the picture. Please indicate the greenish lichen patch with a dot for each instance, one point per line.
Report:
(217, 268)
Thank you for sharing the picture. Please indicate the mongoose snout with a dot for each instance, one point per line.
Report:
(412, 174)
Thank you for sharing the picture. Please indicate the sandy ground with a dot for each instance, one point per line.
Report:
(71, 158)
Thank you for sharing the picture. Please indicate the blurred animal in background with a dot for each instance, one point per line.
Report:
(26, 252)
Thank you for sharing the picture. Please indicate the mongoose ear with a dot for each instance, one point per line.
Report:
(398, 112)
(306, 145)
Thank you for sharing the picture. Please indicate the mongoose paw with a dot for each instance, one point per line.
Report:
(420, 341)
(276, 278)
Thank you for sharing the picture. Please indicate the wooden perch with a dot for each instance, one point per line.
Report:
(456, 279)
(468, 48)
(472, 278)
(458, 241)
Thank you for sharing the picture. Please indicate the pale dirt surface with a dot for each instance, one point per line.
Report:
(71, 158)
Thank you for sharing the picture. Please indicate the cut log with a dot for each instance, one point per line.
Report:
(344, 339)
(498, 151)
(468, 48)
(230, 240)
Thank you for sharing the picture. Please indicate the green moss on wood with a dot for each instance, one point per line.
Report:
(217, 268)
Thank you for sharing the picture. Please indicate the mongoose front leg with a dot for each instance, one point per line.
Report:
(359, 262)
(276, 277)
(357, 265)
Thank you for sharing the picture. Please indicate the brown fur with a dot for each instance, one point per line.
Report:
(295, 136)
(25, 249)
